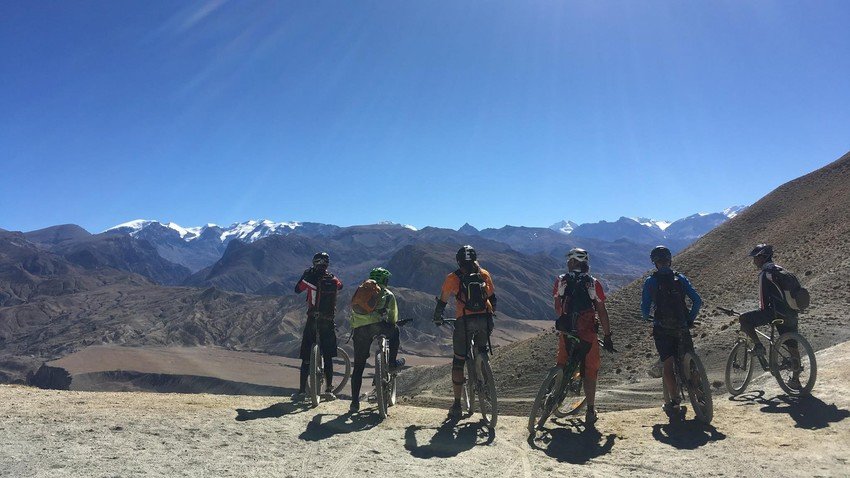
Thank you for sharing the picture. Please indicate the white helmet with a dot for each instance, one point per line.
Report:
(578, 254)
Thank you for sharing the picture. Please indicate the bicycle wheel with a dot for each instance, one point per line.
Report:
(572, 399)
(392, 390)
(468, 394)
(343, 359)
(546, 399)
(316, 376)
(699, 389)
(381, 384)
(739, 368)
(487, 393)
(785, 365)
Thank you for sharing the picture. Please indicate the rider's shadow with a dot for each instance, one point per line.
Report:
(686, 435)
(346, 423)
(274, 411)
(808, 412)
(576, 443)
(450, 439)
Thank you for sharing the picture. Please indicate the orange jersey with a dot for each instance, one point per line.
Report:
(451, 287)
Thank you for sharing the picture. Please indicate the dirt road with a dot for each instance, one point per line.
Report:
(55, 433)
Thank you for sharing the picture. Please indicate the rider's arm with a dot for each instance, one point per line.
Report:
(602, 312)
(302, 283)
(646, 298)
(559, 307)
(392, 309)
(450, 287)
(695, 299)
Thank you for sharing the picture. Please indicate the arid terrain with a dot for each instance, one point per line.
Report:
(761, 433)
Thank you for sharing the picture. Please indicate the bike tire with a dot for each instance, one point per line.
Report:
(699, 388)
(381, 384)
(487, 394)
(342, 355)
(739, 368)
(392, 390)
(781, 363)
(544, 402)
(572, 399)
(316, 376)
(468, 399)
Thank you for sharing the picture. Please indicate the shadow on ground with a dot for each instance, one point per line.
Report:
(319, 429)
(449, 439)
(573, 442)
(808, 412)
(686, 435)
(274, 411)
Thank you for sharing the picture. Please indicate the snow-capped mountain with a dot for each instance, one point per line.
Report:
(564, 226)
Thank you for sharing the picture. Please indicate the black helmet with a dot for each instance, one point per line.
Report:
(762, 250)
(660, 253)
(321, 259)
(466, 254)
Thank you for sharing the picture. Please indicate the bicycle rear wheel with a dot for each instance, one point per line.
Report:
(739, 368)
(785, 365)
(572, 399)
(316, 376)
(546, 399)
(343, 359)
(381, 384)
(699, 389)
(487, 393)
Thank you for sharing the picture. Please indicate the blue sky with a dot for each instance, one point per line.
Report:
(426, 113)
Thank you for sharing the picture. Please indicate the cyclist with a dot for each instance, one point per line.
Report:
(665, 291)
(364, 327)
(475, 303)
(579, 298)
(772, 305)
(321, 287)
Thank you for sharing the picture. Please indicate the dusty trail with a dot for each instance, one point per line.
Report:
(54, 433)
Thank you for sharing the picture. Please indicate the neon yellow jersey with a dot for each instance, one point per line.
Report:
(386, 304)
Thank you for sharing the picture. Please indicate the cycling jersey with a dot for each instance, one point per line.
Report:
(386, 310)
(451, 287)
(310, 282)
(650, 285)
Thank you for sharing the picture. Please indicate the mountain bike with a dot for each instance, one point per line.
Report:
(479, 381)
(316, 377)
(562, 391)
(690, 375)
(784, 362)
(385, 378)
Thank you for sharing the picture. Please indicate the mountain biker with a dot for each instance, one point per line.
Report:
(321, 287)
(665, 291)
(772, 305)
(365, 327)
(475, 304)
(579, 298)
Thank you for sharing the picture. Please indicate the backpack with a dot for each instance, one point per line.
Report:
(795, 295)
(671, 311)
(326, 291)
(472, 292)
(576, 297)
(366, 297)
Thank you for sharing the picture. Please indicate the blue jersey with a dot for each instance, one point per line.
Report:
(651, 283)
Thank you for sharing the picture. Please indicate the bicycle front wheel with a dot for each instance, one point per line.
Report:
(316, 376)
(487, 393)
(468, 393)
(344, 360)
(381, 384)
(699, 389)
(546, 399)
(793, 363)
(572, 399)
(739, 368)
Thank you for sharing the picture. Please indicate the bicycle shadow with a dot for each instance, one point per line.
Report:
(450, 439)
(346, 423)
(273, 411)
(686, 435)
(575, 443)
(808, 411)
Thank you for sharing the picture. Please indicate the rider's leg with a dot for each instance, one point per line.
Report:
(790, 325)
(307, 339)
(362, 338)
(457, 376)
(592, 361)
(302, 380)
(670, 379)
(357, 380)
(459, 342)
(752, 319)
(395, 341)
(329, 372)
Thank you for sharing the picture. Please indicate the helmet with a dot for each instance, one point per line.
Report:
(466, 254)
(380, 275)
(762, 250)
(578, 254)
(321, 259)
(660, 253)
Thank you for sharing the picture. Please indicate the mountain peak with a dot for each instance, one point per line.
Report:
(468, 228)
(564, 226)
